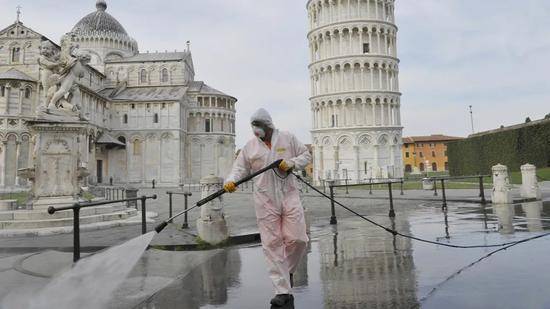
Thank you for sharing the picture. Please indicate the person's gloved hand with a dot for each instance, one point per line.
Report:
(230, 187)
(286, 166)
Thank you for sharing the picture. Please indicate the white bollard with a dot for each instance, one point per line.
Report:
(427, 184)
(533, 211)
(502, 193)
(529, 184)
(211, 226)
(505, 214)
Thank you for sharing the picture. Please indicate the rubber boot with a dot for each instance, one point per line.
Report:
(281, 300)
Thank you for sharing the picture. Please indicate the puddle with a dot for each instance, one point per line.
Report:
(356, 265)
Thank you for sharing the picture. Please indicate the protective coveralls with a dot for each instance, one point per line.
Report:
(279, 213)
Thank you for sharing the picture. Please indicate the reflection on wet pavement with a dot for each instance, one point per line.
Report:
(356, 265)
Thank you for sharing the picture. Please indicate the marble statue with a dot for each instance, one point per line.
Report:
(60, 73)
(49, 65)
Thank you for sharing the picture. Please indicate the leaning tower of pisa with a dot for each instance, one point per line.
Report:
(355, 98)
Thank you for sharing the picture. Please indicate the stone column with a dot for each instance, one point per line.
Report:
(21, 95)
(8, 93)
(17, 156)
(501, 185)
(376, 164)
(529, 184)
(357, 164)
(4, 162)
(211, 226)
(321, 162)
(336, 159)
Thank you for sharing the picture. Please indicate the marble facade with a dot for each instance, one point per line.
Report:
(147, 117)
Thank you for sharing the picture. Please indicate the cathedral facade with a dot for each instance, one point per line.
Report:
(149, 118)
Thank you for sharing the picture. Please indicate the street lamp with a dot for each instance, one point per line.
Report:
(472, 118)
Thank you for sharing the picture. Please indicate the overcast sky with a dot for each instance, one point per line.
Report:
(492, 54)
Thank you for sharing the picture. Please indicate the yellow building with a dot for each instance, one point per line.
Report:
(426, 153)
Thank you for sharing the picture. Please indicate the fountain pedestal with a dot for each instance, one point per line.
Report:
(60, 158)
(211, 226)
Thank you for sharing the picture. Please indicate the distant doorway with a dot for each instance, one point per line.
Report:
(99, 171)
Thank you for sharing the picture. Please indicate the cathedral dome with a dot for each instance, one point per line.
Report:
(99, 21)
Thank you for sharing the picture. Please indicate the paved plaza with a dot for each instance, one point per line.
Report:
(349, 265)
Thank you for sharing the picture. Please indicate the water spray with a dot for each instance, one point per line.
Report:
(217, 194)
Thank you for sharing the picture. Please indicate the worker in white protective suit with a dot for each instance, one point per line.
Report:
(279, 213)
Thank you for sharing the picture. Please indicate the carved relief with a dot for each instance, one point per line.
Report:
(57, 146)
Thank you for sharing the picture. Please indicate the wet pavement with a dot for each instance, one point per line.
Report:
(356, 265)
(350, 265)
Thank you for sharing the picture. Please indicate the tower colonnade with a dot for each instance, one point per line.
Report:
(355, 100)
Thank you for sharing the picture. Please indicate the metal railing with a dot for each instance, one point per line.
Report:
(390, 183)
(379, 181)
(170, 205)
(483, 201)
(76, 217)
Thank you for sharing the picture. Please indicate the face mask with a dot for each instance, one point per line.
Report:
(259, 132)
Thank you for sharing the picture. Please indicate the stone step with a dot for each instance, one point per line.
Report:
(37, 224)
(21, 215)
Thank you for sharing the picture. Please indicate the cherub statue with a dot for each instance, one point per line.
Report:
(50, 65)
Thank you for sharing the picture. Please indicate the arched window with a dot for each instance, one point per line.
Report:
(27, 93)
(16, 54)
(421, 166)
(408, 168)
(122, 139)
(164, 77)
(143, 76)
(125, 118)
(156, 118)
(434, 167)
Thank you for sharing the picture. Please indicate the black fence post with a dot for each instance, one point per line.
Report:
(435, 186)
(170, 205)
(153, 182)
(370, 186)
(332, 210)
(347, 191)
(143, 216)
(402, 182)
(482, 191)
(185, 224)
(76, 233)
(392, 211)
(444, 196)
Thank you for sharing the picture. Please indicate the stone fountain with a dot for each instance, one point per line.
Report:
(60, 148)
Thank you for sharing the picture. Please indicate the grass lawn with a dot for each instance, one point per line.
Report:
(21, 197)
(416, 185)
(515, 177)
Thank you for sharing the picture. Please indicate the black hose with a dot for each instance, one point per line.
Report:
(396, 233)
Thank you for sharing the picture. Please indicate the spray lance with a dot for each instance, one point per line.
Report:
(221, 192)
